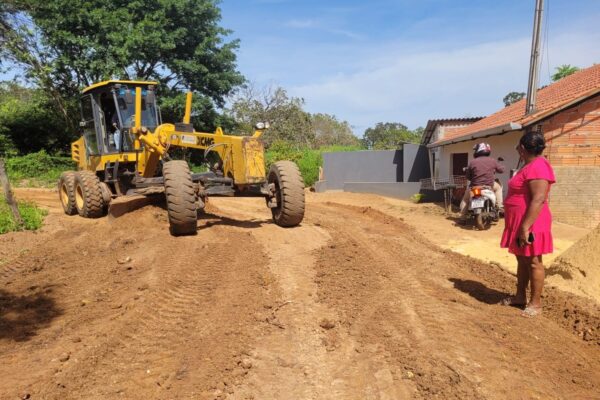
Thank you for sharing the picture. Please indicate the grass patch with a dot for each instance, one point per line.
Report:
(32, 215)
(37, 169)
(197, 168)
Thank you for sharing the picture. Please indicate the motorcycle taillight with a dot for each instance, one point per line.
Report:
(476, 191)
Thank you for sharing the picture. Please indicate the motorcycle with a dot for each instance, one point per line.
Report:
(482, 206)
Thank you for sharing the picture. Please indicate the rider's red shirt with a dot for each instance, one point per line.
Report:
(482, 171)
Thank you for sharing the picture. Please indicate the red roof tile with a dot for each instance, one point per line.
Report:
(550, 99)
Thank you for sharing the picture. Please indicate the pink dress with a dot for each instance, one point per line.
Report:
(515, 206)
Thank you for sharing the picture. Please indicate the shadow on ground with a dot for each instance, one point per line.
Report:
(469, 225)
(478, 291)
(21, 316)
(208, 219)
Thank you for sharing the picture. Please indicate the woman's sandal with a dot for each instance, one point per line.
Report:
(530, 312)
(510, 301)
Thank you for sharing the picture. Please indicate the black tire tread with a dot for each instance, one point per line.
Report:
(68, 178)
(93, 202)
(181, 197)
(291, 211)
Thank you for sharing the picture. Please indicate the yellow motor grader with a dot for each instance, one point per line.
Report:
(124, 150)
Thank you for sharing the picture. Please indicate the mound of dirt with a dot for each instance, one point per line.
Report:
(580, 265)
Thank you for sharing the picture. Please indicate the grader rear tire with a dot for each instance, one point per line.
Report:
(88, 195)
(289, 193)
(66, 192)
(181, 198)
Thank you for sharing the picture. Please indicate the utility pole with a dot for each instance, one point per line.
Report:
(535, 57)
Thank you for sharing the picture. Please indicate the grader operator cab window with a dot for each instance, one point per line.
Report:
(126, 102)
(87, 124)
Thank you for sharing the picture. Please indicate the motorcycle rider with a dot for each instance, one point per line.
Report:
(481, 171)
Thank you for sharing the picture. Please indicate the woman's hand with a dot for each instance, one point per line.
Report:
(523, 237)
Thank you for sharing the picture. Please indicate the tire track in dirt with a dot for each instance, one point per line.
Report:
(396, 294)
(173, 322)
(303, 360)
(235, 312)
(449, 344)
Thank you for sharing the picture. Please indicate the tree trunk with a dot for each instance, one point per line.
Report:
(8, 195)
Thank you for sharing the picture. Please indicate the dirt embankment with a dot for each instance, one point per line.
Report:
(434, 314)
(104, 309)
(353, 304)
(579, 266)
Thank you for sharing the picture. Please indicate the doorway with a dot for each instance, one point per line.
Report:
(459, 163)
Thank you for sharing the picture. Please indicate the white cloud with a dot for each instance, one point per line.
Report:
(411, 85)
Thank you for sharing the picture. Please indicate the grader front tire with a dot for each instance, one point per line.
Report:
(289, 193)
(66, 192)
(88, 195)
(181, 198)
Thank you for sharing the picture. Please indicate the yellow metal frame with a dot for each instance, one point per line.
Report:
(110, 82)
(242, 156)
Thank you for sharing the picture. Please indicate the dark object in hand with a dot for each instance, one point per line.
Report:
(531, 239)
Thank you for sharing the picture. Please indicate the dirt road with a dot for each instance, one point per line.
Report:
(353, 304)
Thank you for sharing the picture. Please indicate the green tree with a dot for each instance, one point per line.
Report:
(390, 136)
(64, 45)
(28, 122)
(512, 97)
(330, 131)
(564, 70)
(289, 122)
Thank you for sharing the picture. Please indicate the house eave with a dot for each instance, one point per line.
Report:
(494, 131)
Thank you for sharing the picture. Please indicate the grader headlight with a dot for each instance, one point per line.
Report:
(261, 126)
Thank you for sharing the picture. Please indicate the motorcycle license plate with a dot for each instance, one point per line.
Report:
(477, 203)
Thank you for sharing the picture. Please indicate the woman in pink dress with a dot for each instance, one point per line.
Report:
(527, 233)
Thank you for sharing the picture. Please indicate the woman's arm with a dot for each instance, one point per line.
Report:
(538, 188)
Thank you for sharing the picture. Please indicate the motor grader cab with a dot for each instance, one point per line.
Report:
(125, 149)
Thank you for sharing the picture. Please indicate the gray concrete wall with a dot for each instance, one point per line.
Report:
(407, 165)
(415, 163)
(393, 173)
(361, 166)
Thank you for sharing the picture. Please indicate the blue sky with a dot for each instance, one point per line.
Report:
(405, 60)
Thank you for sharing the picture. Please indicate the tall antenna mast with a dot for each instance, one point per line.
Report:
(535, 59)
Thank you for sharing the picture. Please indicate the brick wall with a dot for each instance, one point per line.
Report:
(575, 198)
(573, 149)
(573, 135)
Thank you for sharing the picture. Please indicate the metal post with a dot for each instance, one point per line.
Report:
(188, 108)
(138, 107)
(9, 196)
(534, 62)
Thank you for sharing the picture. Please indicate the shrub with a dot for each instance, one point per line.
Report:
(417, 197)
(37, 169)
(309, 164)
(32, 215)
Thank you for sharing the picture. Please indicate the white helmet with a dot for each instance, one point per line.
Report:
(482, 149)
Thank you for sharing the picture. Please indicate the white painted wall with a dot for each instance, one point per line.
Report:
(502, 146)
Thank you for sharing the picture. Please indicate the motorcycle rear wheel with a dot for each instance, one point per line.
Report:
(482, 223)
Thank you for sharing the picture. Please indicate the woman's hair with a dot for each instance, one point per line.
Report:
(533, 142)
